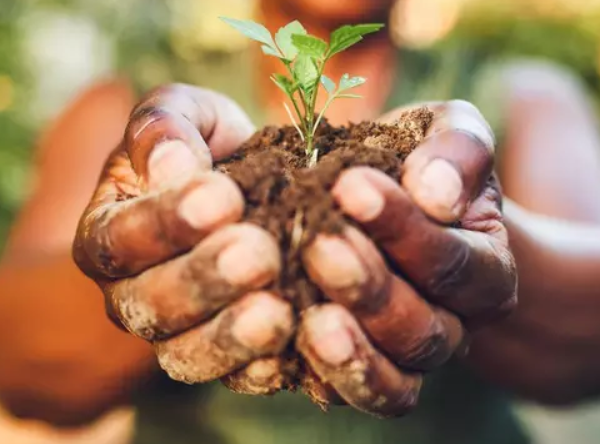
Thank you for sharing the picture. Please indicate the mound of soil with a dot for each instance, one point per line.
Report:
(293, 202)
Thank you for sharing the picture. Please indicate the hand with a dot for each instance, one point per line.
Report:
(397, 314)
(160, 238)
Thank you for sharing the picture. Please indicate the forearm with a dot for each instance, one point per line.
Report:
(547, 350)
(62, 360)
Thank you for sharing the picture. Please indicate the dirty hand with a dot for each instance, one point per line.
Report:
(405, 293)
(160, 238)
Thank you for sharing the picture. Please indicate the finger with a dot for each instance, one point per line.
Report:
(268, 376)
(471, 273)
(172, 297)
(450, 168)
(180, 129)
(263, 377)
(259, 325)
(412, 333)
(123, 238)
(340, 354)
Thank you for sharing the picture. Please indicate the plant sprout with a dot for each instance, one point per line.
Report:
(304, 57)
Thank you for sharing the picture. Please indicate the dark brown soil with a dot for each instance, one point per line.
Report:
(293, 202)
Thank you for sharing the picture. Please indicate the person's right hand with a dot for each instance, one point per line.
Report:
(161, 239)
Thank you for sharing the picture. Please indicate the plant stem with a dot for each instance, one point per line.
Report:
(310, 115)
(302, 99)
(309, 145)
(299, 113)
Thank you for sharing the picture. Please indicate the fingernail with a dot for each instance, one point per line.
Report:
(441, 186)
(336, 263)
(261, 323)
(169, 161)
(209, 205)
(358, 198)
(330, 339)
(246, 264)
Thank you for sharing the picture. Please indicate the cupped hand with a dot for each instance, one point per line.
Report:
(162, 239)
(430, 262)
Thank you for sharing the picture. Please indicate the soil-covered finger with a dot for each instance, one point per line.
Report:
(195, 117)
(259, 325)
(469, 273)
(341, 355)
(124, 238)
(179, 294)
(452, 165)
(164, 147)
(399, 321)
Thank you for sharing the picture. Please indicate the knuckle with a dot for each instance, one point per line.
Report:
(508, 282)
(153, 104)
(448, 277)
(428, 351)
(462, 116)
(98, 242)
(143, 117)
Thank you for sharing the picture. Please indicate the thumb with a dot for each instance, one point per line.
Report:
(179, 130)
(452, 165)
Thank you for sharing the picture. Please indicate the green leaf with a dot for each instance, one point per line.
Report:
(284, 39)
(349, 35)
(286, 84)
(252, 30)
(310, 45)
(305, 72)
(349, 96)
(271, 51)
(328, 84)
(347, 82)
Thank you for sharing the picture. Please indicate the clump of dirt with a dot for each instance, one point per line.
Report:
(293, 202)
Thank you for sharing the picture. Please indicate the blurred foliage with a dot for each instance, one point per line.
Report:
(156, 41)
(514, 30)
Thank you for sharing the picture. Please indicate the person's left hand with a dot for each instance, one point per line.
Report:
(396, 315)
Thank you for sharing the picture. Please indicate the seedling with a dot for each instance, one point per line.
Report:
(305, 57)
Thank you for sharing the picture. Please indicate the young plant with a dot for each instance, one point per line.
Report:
(304, 57)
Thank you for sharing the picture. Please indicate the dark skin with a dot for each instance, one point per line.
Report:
(165, 202)
(41, 378)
